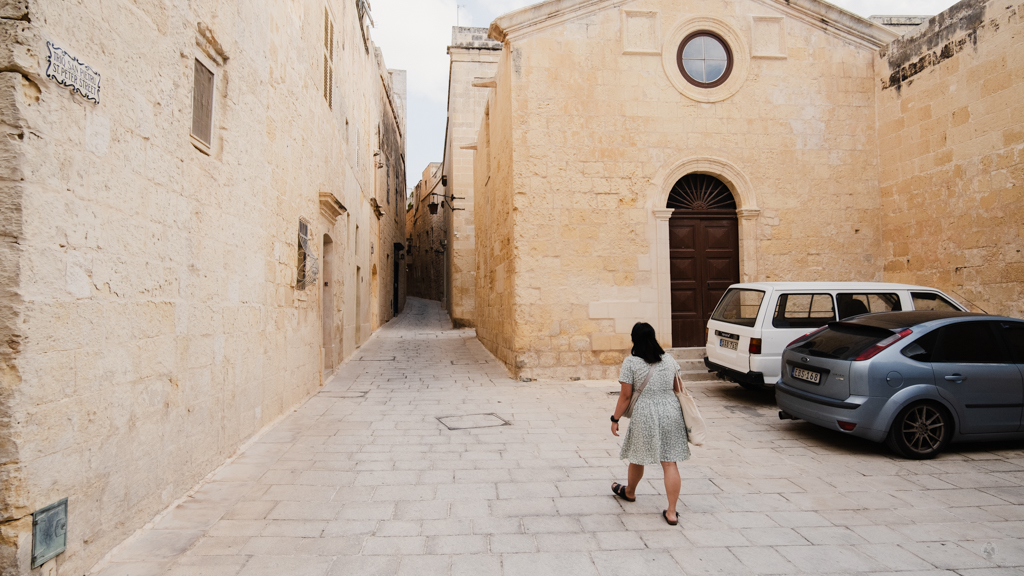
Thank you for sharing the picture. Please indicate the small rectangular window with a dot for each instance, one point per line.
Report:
(1014, 334)
(328, 58)
(931, 301)
(306, 265)
(202, 103)
(855, 304)
(803, 311)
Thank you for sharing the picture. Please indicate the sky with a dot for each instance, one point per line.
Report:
(414, 36)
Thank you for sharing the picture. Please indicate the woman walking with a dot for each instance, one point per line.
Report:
(657, 432)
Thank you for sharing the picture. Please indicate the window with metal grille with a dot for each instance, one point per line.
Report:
(328, 58)
(202, 103)
(307, 266)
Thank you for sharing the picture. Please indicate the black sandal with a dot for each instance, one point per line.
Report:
(620, 491)
(664, 514)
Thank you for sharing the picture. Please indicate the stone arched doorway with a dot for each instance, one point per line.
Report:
(704, 253)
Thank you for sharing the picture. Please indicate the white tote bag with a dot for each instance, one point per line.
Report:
(696, 428)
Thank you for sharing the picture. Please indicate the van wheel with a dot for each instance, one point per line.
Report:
(920, 431)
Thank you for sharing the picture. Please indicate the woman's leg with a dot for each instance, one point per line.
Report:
(636, 473)
(672, 483)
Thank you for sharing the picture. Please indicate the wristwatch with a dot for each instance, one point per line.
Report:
(614, 419)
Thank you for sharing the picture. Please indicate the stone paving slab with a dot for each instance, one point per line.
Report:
(364, 479)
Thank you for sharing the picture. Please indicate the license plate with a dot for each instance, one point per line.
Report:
(730, 344)
(807, 375)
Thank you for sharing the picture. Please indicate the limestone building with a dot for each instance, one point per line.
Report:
(428, 239)
(201, 207)
(635, 158)
(474, 58)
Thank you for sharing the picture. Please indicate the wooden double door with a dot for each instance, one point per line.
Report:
(704, 261)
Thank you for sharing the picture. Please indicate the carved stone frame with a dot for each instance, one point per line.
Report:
(747, 212)
(736, 45)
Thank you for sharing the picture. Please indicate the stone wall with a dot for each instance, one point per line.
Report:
(951, 143)
(390, 195)
(497, 244)
(473, 59)
(150, 320)
(19, 101)
(602, 130)
(426, 253)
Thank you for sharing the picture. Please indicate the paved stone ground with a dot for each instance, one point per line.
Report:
(364, 480)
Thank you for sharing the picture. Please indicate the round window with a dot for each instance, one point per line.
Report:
(704, 59)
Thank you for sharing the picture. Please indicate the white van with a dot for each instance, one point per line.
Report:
(755, 321)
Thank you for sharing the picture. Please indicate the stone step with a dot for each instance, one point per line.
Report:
(691, 365)
(695, 353)
(697, 375)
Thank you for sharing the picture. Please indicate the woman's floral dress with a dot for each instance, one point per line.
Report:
(657, 432)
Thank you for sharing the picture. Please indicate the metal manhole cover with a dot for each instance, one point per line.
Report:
(473, 421)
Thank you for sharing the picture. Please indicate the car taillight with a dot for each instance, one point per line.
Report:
(876, 348)
(755, 346)
(848, 426)
(806, 336)
(707, 332)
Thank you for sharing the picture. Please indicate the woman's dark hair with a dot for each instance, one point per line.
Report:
(645, 344)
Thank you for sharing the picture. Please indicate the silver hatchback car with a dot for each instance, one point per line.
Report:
(917, 380)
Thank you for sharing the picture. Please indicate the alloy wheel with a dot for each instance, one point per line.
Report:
(920, 431)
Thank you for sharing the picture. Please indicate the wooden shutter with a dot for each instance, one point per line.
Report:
(202, 103)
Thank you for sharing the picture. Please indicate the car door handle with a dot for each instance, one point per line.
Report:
(956, 378)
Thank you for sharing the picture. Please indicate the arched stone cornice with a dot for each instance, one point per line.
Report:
(727, 172)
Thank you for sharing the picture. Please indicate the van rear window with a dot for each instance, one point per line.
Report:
(739, 306)
(842, 341)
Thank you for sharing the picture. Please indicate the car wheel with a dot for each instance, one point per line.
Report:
(920, 431)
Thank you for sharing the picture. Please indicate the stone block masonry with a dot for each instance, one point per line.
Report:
(474, 59)
(589, 130)
(951, 143)
(152, 317)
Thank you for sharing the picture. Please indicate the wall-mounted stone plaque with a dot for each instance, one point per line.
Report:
(71, 72)
(768, 36)
(641, 32)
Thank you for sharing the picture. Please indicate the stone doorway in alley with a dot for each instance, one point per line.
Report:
(703, 253)
(327, 304)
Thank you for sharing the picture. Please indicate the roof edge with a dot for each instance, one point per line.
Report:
(815, 12)
(829, 17)
(544, 14)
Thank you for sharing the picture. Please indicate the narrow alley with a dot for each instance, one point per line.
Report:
(421, 456)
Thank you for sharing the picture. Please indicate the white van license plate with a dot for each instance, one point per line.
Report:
(730, 344)
(807, 375)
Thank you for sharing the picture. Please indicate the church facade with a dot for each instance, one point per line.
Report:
(635, 158)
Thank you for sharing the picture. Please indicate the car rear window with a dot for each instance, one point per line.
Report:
(803, 311)
(739, 306)
(841, 341)
(931, 301)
